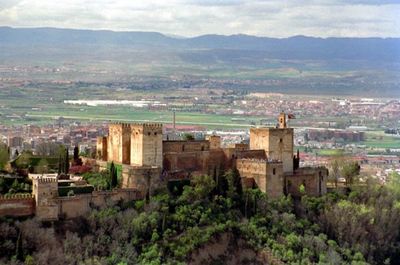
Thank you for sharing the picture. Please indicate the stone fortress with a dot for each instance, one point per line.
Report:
(147, 161)
(267, 162)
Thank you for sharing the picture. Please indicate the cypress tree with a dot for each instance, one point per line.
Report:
(59, 165)
(66, 161)
(113, 176)
(19, 253)
(76, 153)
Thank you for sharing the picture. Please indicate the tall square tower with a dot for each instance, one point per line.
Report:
(119, 142)
(277, 143)
(146, 144)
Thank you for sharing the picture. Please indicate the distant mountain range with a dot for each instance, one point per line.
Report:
(293, 48)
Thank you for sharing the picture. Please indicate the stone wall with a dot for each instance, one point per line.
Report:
(268, 176)
(78, 205)
(215, 141)
(140, 177)
(17, 205)
(101, 148)
(195, 162)
(185, 146)
(313, 179)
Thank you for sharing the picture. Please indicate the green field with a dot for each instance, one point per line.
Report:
(379, 139)
(139, 115)
(329, 152)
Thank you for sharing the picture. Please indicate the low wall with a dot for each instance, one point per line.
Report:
(17, 205)
(74, 206)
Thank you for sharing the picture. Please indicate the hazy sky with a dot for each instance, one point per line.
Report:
(275, 18)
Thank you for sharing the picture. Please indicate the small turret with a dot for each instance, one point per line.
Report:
(282, 120)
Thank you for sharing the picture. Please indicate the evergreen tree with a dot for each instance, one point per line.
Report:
(76, 153)
(113, 176)
(66, 161)
(19, 253)
(59, 165)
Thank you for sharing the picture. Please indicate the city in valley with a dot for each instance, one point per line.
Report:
(199, 132)
(327, 128)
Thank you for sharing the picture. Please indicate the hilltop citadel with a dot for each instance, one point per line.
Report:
(147, 160)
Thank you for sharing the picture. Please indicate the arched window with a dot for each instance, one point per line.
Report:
(274, 171)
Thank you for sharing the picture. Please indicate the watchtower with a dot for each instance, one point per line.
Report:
(45, 191)
(277, 142)
(146, 144)
(282, 120)
(119, 142)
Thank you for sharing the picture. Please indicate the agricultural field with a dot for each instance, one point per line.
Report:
(378, 139)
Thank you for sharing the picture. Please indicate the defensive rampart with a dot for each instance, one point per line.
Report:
(17, 205)
(78, 205)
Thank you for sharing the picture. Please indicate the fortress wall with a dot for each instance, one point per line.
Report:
(268, 176)
(196, 163)
(313, 179)
(140, 177)
(258, 154)
(275, 179)
(74, 206)
(185, 146)
(259, 138)
(242, 147)
(215, 141)
(256, 169)
(101, 148)
(17, 205)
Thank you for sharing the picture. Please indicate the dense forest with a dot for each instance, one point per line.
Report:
(358, 227)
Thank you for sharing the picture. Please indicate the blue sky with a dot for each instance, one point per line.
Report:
(273, 18)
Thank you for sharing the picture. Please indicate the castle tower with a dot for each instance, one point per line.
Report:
(215, 141)
(146, 144)
(119, 142)
(277, 143)
(282, 120)
(45, 191)
(101, 148)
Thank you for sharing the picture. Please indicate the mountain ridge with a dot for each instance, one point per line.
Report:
(295, 47)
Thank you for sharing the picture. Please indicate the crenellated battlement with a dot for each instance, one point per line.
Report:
(145, 125)
(261, 160)
(7, 197)
(47, 180)
(151, 126)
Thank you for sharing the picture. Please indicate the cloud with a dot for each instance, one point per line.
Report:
(275, 18)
